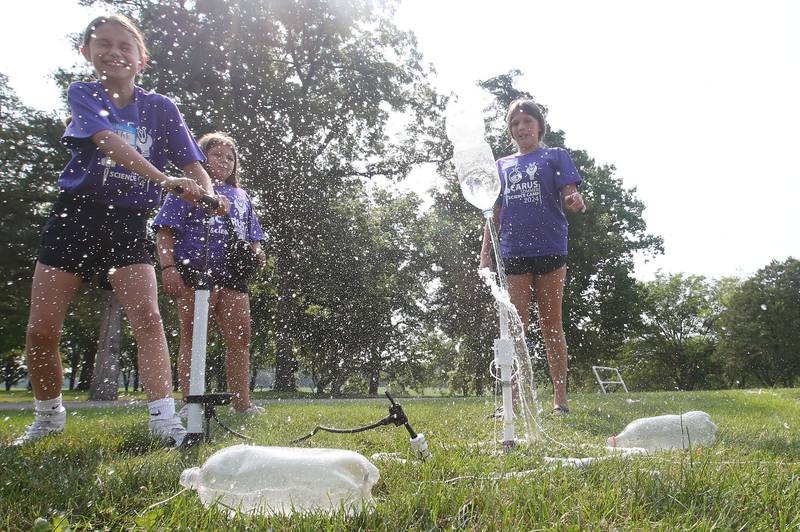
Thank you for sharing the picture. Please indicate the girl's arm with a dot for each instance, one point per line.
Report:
(573, 200)
(195, 171)
(165, 241)
(123, 153)
(486, 247)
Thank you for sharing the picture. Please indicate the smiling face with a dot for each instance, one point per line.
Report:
(525, 130)
(114, 52)
(221, 162)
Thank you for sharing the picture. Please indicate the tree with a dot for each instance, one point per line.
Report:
(362, 310)
(758, 335)
(675, 344)
(79, 338)
(32, 158)
(12, 365)
(459, 304)
(307, 88)
(105, 373)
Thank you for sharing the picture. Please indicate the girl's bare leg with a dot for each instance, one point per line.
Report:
(520, 291)
(549, 296)
(520, 288)
(186, 317)
(232, 314)
(135, 287)
(51, 292)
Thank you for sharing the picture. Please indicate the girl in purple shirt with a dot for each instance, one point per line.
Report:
(537, 183)
(181, 253)
(121, 137)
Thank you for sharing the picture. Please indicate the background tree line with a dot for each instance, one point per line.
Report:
(365, 285)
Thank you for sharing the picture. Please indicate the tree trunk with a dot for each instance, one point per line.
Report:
(374, 375)
(105, 378)
(74, 364)
(285, 361)
(479, 384)
(87, 369)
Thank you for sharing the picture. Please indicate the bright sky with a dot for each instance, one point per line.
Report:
(695, 102)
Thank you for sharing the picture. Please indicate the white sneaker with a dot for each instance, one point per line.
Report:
(171, 431)
(252, 410)
(44, 424)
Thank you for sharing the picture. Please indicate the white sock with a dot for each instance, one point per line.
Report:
(49, 406)
(161, 409)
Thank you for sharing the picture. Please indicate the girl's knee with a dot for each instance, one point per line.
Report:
(39, 333)
(144, 318)
(238, 344)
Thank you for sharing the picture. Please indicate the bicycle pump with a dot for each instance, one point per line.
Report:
(201, 405)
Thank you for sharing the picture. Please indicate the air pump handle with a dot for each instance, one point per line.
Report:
(210, 204)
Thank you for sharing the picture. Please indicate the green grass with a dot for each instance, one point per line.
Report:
(104, 471)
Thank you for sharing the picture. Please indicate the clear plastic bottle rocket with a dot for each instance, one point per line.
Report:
(663, 433)
(283, 480)
(472, 156)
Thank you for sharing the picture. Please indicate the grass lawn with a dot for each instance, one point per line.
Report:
(105, 472)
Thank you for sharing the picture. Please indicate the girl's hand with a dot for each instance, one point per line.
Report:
(260, 255)
(190, 190)
(486, 262)
(172, 281)
(574, 202)
(224, 205)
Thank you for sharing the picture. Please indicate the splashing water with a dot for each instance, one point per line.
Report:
(527, 404)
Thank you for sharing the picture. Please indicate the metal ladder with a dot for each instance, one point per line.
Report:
(603, 383)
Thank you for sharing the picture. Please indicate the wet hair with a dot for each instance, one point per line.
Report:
(126, 24)
(530, 108)
(211, 140)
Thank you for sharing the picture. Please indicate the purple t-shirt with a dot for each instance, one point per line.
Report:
(186, 222)
(532, 221)
(151, 123)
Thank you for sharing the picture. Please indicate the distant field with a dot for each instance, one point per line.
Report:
(18, 395)
(104, 471)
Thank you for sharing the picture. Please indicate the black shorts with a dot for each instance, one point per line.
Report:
(534, 265)
(88, 238)
(191, 278)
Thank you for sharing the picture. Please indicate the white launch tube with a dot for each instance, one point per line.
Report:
(197, 375)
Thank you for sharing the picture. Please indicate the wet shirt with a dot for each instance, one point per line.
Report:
(532, 220)
(186, 221)
(151, 123)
